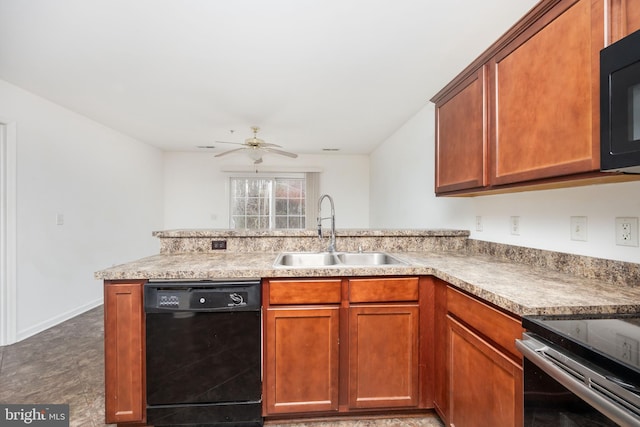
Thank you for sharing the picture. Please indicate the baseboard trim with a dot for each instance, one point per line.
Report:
(42, 326)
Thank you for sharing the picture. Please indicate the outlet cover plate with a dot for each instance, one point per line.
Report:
(579, 228)
(627, 231)
(515, 225)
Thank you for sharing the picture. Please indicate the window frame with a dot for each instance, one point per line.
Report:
(272, 197)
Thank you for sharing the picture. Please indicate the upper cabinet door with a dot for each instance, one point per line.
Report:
(625, 18)
(461, 137)
(545, 96)
(525, 114)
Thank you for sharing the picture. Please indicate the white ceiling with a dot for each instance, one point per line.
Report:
(312, 74)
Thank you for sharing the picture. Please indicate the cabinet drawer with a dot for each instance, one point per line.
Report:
(383, 290)
(493, 324)
(305, 292)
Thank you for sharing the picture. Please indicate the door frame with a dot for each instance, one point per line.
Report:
(8, 231)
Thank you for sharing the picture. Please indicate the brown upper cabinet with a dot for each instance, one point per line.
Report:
(461, 137)
(526, 113)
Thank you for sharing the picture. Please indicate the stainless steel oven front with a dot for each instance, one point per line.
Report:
(581, 371)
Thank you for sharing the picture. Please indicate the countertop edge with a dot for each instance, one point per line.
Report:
(507, 285)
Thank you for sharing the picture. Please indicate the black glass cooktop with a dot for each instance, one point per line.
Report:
(611, 341)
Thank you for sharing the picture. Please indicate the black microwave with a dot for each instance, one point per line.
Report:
(620, 105)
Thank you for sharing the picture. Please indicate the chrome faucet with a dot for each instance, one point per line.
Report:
(332, 241)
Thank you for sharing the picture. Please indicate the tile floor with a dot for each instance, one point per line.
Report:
(65, 364)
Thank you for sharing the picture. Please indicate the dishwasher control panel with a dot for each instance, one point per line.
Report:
(201, 296)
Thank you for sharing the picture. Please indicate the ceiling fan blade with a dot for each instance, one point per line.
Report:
(268, 144)
(283, 153)
(227, 142)
(229, 152)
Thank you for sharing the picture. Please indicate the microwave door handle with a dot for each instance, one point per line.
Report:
(535, 352)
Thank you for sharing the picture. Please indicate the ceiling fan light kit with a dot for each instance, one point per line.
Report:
(255, 147)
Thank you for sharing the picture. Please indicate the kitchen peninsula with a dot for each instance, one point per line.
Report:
(450, 288)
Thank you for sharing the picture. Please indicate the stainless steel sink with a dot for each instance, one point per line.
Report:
(306, 259)
(336, 259)
(368, 258)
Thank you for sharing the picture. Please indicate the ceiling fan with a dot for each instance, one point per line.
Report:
(256, 147)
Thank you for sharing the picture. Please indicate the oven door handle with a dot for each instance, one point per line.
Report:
(625, 385)
(607, 397)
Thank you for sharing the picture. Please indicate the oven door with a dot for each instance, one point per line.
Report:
(561, 389)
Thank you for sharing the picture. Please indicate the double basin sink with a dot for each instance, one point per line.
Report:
(336, 259)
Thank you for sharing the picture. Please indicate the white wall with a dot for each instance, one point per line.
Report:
(196, 186)
(107, 186)
(402, 179)
(545, 219)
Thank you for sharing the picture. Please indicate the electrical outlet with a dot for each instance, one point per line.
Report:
(218, 244)
(579, 228)
(627, 231)
(515, 225)
(478, 223)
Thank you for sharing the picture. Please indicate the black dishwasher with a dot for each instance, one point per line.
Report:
(203, 345)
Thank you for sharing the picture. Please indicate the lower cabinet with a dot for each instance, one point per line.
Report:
(349, 345)
(341, 345)
(383, 356)
(485, 386)
(440, 344)
(124, 353)
(478, 370)
(301, 369)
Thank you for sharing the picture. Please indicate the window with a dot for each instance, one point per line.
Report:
(267, 202)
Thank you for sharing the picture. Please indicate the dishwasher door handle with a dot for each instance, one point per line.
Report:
(596, 389)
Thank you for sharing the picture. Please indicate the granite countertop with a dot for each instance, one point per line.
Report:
(351, 232)
(517, 288)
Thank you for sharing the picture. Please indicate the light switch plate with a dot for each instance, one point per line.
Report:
(579, 228)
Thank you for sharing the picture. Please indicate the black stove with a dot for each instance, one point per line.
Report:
(581, 370)
(609, 340)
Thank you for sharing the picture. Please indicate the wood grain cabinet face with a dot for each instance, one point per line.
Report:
(383, 342)
(545, 96)
(383, 356)
(342, 345)
(124, 352)
(482, 369)
(302, 359)
(441, 368)
(526, 113)
(461, 136)
(625, 18)
(485, 385)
